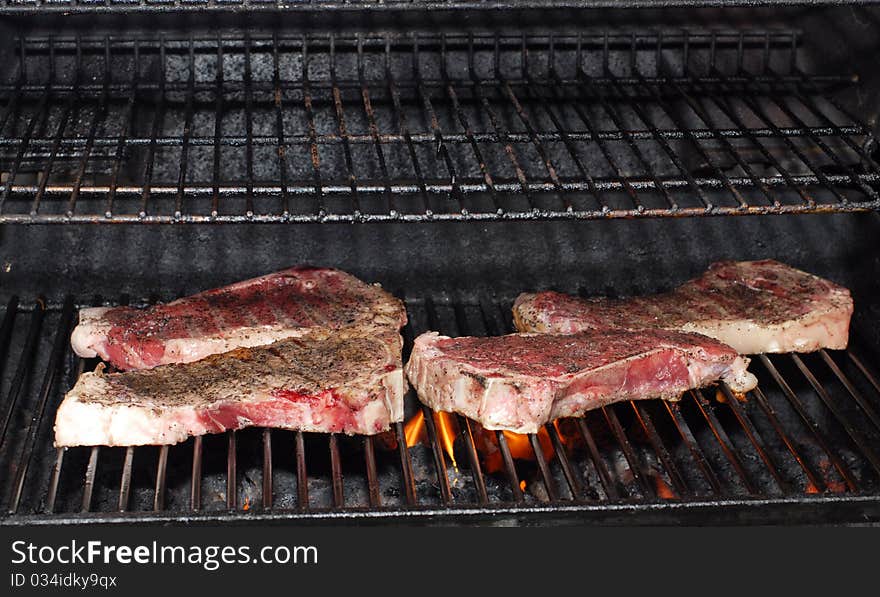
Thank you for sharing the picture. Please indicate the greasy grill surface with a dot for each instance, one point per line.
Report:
(421, 127)
(807, 440)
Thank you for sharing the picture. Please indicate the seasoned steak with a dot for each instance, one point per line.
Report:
(753, 306)
(348, 381)
(255, 312)
(521, 381)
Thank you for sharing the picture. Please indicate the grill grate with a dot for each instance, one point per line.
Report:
(426, 127)
(808, 436)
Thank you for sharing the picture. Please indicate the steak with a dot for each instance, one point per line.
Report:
(753, 306)
(348, 381)
(519, 382)
(255, 312)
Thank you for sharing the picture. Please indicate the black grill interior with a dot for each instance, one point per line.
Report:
(453, 156)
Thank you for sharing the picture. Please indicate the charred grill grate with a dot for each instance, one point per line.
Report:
(807, 441)
(325, 128)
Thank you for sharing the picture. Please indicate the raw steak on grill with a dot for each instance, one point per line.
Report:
(348, 381)
(521, 381)
(251, 313)
(753, 306)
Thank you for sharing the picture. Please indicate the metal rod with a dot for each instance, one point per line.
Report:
(195, 488)
(404, 129)
(723, 440)
(374, 128)
(464, 426)
(25, 363)
(279, 125)
(33, 425)
(439, 461)
(267, 468)
(754, 437)
(89, 482)
(405, 465)
(52, 492)
(510, 468)
(339, 113)
(313, 135)
(601, 469)
(629, 452)
(811, 425)
(187, 131)
(690, 441)
(546, 475)
(644, 419)
(336, 472)
(869, 375)
(249, 127)
(127, 125)
(574, 484)
(161, 471)
(302, 477)
(372, 474)
(231, 475)
(219, 87)
(158, 121)
(125, 480)
(813, 479)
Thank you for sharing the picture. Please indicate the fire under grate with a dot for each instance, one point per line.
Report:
(803, 446)
(425, 127)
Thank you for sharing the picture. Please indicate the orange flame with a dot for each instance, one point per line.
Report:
(414, 429)
(446, 430)
(485, 441)
(522, 485)
(247, 504)
(664, 491)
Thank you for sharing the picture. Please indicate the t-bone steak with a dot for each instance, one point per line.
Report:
(519, 382)
(753, 306)
(347, 381)
(255, 312)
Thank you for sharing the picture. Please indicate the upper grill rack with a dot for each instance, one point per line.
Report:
(111, 6)
(807, 440)
(425, 127)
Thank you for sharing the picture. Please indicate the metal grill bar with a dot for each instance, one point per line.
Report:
(693, 447)
(721, 436)
(405, 465)
(125, 481)
(161, 471)
(666, 459)
(546, 475)
(267, 468)
(574, 485)
(510, 468)
(754, 436)
(302, 482)
(231, 475)
(195, 492)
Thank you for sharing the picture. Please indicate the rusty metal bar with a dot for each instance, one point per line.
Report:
(195, 488)
(510, 468)
(267, 469)
(336, 472)
(372, 474)
(161, 472)
(546, 475)
(302, 477)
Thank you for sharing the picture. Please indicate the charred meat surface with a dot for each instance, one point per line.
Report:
(255, 312)
(519, 382)
(754, 306)
(348, 381)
